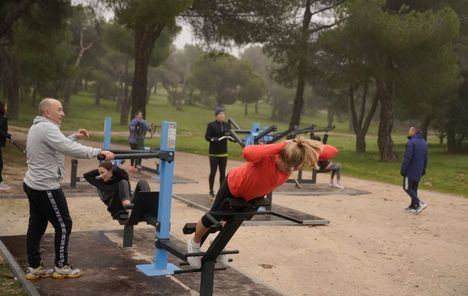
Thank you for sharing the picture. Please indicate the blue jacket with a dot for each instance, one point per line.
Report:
(415, 159)
(138, 128)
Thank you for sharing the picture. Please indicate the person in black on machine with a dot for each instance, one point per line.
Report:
(218, 152)
(113, 185)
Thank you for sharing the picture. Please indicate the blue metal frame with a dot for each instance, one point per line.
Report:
(107, 133)
(108, 136)
(161, 266)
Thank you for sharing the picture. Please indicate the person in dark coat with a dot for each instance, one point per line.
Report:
(413, 168)
(138, 128)
(4, 135)
(114, 189)
(218, 152)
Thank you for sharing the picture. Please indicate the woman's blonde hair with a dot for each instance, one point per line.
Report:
(301, 152)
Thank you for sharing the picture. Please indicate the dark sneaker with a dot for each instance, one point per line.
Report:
(409, 209)
(211, 194)
(39, 272)
(420, 208)
(66, 271)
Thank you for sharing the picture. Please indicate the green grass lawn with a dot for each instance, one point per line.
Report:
(446, 173)
(8, 285)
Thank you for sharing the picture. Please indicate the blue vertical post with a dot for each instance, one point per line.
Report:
(161, 266)
(107, 133)
(108, 136)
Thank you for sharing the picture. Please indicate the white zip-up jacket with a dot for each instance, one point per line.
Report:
(45, 148)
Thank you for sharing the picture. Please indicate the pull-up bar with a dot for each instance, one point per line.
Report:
(137, 154)
(163, 155)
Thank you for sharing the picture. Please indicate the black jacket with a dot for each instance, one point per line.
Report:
(214, 131)
(109, 190)
(3, 130)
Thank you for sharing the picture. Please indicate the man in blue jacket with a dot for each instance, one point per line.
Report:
(138, 128)
(413, 168)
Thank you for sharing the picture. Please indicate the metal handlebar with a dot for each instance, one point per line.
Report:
(163, 155)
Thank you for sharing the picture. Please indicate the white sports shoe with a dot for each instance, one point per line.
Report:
(339, 186)
(66, 271)
(4, 186)
(422, 206)
(39, 272)
(192, 247)
(222, 259)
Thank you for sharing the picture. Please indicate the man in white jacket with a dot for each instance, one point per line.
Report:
(45, 147)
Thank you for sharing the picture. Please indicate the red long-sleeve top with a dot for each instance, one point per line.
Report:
(259, 176)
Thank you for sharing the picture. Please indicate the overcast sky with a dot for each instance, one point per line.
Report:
(184, 37)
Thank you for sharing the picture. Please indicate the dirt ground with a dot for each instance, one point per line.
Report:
(370, 247)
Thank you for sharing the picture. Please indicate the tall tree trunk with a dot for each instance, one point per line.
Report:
(302, 68)
(330, 115)
(145, 37)
(361, 146)
(362, 121)
(124, 108)
(451, 140)
(69, 82)
(246, 109)
(10, 72)
(385, 92)
(34, 96)
(97, 98)
(425, 125)
(350, 123)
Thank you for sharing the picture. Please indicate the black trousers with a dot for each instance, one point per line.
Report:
(222, 193)
(47, 206)
(114, 204)
(1, 164)
(124, 189)
(411, 188)
(134, 161)
(216, 162)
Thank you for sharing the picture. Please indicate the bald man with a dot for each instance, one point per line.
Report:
(45, 147)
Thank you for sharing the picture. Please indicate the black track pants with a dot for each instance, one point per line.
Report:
(47, 206)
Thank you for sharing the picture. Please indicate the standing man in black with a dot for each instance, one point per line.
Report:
(218, 153)
(413, 168)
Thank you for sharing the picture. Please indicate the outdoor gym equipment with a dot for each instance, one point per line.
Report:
(74, 179)
(233, 211)
(268, 135)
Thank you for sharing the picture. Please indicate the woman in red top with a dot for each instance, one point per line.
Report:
(268, 166)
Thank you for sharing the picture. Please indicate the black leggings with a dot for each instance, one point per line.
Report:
(216, 162)
(124, 189)
(223, 193)
(47, 206)
(134, 161)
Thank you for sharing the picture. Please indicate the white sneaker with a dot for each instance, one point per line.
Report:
(192, 247)
(222, 259)
(4, 186)
(422, 206)
(66, 271)
(339, 186)
(39, 272)
(331, 185)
